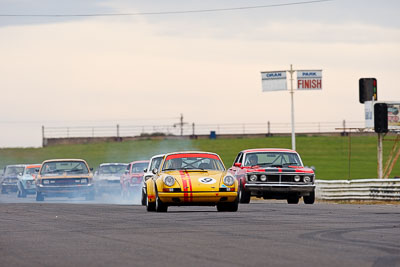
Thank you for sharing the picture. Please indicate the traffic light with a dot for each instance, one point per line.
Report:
(368, 89)
(381, 118)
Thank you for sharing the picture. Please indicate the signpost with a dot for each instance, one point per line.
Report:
(277, 81)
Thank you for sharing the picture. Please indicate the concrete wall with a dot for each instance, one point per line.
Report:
(88, 140)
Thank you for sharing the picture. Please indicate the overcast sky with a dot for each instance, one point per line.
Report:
(148, 69)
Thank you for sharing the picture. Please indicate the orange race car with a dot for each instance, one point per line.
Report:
(64, 177)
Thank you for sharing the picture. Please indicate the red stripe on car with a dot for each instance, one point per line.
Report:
(185, 187)
(190, 185)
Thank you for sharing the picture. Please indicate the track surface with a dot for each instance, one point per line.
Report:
(259, 234)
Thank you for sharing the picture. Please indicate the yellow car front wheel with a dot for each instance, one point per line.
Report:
(150, 206)
(160, 206)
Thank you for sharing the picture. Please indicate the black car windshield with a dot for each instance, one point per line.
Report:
(113, 169)
(193, 162)
(272, 159)
(61, 168)
(13, 170)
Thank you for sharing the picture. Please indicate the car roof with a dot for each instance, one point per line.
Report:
(268, 150)
(60, 160)
(159, 155)
(192, 152)
(140, 161)
(17, 165)
(115, 163)
(33, 166)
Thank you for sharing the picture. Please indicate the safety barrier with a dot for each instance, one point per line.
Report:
(187, 129)
(360, 189)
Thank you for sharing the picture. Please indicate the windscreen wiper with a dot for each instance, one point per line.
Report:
(291, 163)
(263, 164)
(195, 169)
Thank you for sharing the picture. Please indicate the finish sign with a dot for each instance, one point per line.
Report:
(309, 79)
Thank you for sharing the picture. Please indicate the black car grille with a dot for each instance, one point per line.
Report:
(279, 178)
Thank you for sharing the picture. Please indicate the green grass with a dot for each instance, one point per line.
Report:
(330, 155)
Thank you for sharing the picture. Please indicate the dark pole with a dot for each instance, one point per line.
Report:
(43, 141)
(349, 152)
(181, 124)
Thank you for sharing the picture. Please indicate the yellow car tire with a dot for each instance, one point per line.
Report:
(160, 206)
(150, 206)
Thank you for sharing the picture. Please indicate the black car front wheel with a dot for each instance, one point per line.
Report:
(244, 196)
(293, 199)
(310, 199)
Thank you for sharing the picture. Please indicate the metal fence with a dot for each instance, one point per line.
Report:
(120, 130)
(360, 189)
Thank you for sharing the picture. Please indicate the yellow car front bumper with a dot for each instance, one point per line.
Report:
(195, 198)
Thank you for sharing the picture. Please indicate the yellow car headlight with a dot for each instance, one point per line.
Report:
(169, 180)
(229, 180)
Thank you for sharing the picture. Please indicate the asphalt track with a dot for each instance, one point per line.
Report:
(262, 233)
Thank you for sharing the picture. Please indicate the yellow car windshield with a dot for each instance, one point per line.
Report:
(193, 162)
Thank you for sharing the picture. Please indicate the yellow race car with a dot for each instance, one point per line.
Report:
(191, 179)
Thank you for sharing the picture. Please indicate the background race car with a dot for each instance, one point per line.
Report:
(107, 178)
(64, 178)
(132, 180)
(26, 181)
(273, 174)
(9, 180)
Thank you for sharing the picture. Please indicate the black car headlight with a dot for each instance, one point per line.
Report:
(253, 178)
(307, 179)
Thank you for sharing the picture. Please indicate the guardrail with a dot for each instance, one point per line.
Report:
(196, 129)
(360, 189)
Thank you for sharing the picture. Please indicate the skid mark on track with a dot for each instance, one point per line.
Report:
(338, 236)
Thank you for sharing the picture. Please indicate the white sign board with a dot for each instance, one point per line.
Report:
(273, 81)
(309, 79)
(369, 114)
(393, 116)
